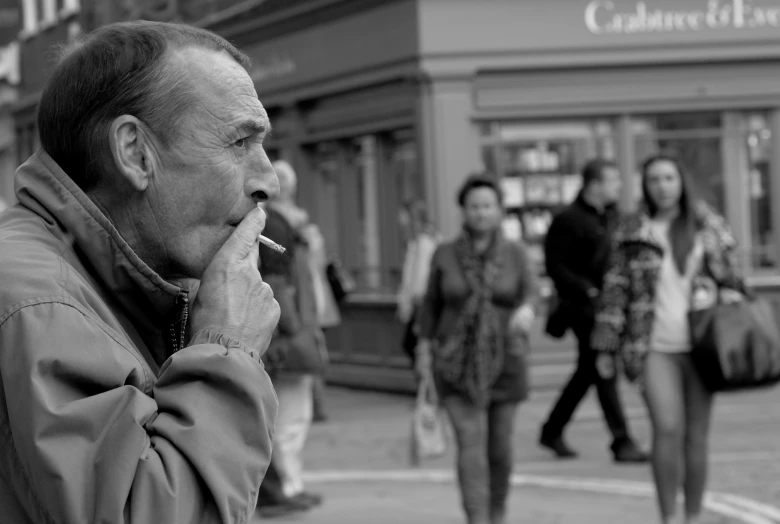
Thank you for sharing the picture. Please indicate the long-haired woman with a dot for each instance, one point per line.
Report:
(671, 256)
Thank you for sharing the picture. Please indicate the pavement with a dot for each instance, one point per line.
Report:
(358, 460)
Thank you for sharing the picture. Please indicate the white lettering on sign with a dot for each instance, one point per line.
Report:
(273, 67)
(603, 18)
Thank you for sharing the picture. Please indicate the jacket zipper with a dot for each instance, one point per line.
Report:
(177, 339)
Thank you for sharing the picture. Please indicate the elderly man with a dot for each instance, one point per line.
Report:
(124, 397)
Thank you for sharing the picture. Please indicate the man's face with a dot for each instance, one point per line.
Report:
(611, 184)
(217, 170)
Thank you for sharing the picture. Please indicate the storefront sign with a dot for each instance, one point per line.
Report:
(605, 17)
(273, 67)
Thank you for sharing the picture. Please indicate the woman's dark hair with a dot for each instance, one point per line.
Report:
(477, 181)
(682, 230)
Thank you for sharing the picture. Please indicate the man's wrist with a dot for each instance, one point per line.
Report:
(209, 336)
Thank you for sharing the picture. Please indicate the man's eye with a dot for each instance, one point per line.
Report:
(240, 143)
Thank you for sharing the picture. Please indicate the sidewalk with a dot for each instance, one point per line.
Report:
(434, 503)
(359, 461)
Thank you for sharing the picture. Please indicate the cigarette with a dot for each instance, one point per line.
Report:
(271, 244)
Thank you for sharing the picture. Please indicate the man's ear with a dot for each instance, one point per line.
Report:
(131, 151)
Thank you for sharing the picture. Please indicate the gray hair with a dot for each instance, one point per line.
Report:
(116, 70)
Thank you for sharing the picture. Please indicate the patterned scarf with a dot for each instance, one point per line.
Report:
(472, 357)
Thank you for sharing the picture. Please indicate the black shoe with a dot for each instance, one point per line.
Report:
(557, 446)
(629, 453)
(309, 499)
(282, 508)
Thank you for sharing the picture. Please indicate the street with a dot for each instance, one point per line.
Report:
(359, 461)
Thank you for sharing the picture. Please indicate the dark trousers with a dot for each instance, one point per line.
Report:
(580, 382)
(484, 456)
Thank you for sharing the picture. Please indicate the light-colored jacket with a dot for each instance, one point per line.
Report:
(416, 269)
(105, 415)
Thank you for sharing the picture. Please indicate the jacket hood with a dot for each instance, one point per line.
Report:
(44, 188)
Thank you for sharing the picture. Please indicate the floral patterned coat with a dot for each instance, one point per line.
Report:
(626, 309)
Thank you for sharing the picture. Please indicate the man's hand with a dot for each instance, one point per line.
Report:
(233, 299)
(605, 365)
(522, 320)
(423, 359)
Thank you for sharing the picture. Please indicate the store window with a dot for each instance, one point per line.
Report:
(713, 146)
(404, 184)
(539, 166)
(695, 138)
(756, 140)
(361, 183)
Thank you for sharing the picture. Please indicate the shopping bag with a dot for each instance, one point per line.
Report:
(428, 439)
(736, 345)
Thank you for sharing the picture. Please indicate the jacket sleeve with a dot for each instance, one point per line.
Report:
(433, 302)
(559, 254)
(613, 302)
(93, 447)
(732, 276)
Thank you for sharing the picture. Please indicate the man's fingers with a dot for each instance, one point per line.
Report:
(244, 238)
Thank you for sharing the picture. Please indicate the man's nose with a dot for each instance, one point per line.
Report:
(263, 186)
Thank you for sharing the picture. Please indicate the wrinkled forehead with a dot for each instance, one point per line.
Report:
(222, 86)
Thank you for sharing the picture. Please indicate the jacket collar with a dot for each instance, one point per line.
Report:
(44, 188)
(608, 209)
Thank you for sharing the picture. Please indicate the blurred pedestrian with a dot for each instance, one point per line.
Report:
(673, 248)
(576, 254)
(421, 241)
(474, 324)
(328, 313)
(294, 352)
(299, 327)
(135, 399)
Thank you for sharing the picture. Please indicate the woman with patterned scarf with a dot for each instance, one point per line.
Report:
(675, 254)
(474, 324)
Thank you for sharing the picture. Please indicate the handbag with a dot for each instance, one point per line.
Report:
(557, 323)
(736, 346)
(341, 282)
(428, 438)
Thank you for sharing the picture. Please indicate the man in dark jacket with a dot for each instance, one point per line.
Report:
(576, 255)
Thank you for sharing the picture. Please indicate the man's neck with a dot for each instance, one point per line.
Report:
(123, 218)
(594, 201)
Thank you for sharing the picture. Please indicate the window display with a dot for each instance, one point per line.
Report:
(695, 138)
(539, 165)
(757, 136)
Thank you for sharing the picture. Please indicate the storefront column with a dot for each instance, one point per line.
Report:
(627, 164)
(736, 180)
(450, 147)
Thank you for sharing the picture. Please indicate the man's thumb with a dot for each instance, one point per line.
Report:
(245, 235)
